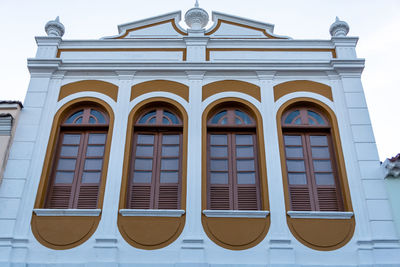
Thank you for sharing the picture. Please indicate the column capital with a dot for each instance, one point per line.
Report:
(125, 75)
(195, 75)
(265, 75)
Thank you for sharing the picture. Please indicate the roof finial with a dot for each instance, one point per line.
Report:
(196, 4)
(196, 18)
(54, 28)
(339, 28)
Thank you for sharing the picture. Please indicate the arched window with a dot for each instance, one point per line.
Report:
(312, 174)
(78, 161)
(156, 167)
(232, 164)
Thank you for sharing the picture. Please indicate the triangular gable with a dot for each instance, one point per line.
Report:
(229, 26)
(163, 26)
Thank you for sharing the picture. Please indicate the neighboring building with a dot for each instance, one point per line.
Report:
(9, 112)
(227, 146)
(391, 168)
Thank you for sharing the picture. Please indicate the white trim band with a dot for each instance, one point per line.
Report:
(320, 214)
(151, 213)
(237, 213)
(67, 212)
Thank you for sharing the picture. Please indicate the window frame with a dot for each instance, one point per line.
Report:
(305, 130)
(84, 130)
(231, 130)
(158, 130)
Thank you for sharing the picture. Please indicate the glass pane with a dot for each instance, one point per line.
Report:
(92, 120)
(224, 121)
(95, 151)
(144, 151)
(295, 165)
(311, 122)
(246, 119)
(318, 140)
(170, 139)
(165, 121)
(168, 177)
(242, 139)
(291, 116)
(145, 139)
(316, 116)
(320, 152)
(170, 151)
(322, 165)
(93, 164)
(64, 177)
(245, 165)
(91, 177)
(324, 179)
(152, 120)
(237, 121)
(146, 116)
(218, 116)
(219, 151)
(66, 164)
(244, 151)
(219, 178)
(69, 151)
(219, 165)
(143, 164)
(218, 139)
(172, 117)
(74, 116)
(97, 138)
(100, 118)
(294, 152)
(297, 178)
(79, 120)
(72, 139)
(142, 177)
(298, 121)
(292, 140)
(169, 164)
(246, 178)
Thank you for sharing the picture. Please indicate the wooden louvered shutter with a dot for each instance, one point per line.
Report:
(87, 191)
(168, 172)
(66, 170)
(322, 169)
(219, 189)
(300, 189)
(140, 195)
(245, 174)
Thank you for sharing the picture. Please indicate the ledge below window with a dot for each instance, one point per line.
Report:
(67, 212)
(151, 213)
(236, 213)
(320, 214)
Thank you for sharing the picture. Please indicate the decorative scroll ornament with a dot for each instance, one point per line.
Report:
(339, 28)
(196, 18)
(391, 167)
(54, 28)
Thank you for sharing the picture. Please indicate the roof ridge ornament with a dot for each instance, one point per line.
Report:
(196, 18)
(339, 28)
(54, 28)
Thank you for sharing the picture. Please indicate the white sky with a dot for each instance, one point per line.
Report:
(377, 23)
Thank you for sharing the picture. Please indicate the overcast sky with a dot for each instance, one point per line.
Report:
(377, 23)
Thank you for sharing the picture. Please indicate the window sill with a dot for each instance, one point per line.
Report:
(151, 212)
(67, 212)
(236, 213)
(342, 215)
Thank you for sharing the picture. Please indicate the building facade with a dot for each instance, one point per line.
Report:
(226, 146)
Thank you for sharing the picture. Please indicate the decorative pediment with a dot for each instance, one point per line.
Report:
(229, 26)
(163, 26)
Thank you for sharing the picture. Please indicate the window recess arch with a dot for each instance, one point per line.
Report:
(317, 195)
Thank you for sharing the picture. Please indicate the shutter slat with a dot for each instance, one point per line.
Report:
(88, 195)
(168, 197)
(59, 197)
(327, 199)
(219, 198)
(247, 198)
(140, 197)
(300, 198)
